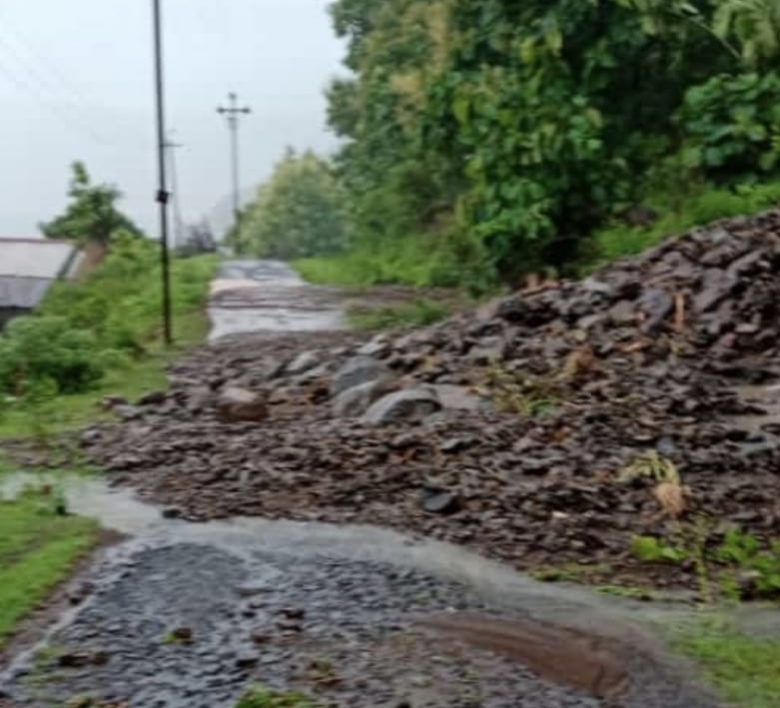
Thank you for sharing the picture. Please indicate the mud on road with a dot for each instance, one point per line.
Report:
(194, 613)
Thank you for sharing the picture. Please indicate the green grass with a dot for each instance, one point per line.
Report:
(38, 549)
(129, 377)
(261, 697)
(704, 207)
(418, 261)
(71, 412)
(420, 313)
(746, 671)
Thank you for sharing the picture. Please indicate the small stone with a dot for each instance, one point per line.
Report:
(127, 413)
(440, 502)
(152, 398)
(74, 659)
(171, 512)
(303, 363)
(247, 660)
(411, 404)
(182, 634)
(239, 405)
(358, 370)
(294, 613)
(356, 401)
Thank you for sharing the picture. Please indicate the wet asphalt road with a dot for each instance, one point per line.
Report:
(327, 610)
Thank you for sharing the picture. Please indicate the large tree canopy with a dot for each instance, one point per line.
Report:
(298, 213)
(525, 124)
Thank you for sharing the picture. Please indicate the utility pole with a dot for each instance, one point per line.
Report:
(172, 146)
(231, 112)
(162, 193)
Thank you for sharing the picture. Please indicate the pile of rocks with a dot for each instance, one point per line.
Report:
(507, 428)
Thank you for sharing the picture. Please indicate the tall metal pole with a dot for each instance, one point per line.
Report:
(162, 192)
(231, 113)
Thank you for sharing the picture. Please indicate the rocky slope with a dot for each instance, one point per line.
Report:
(549, 427)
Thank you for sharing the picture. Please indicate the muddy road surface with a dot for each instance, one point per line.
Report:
(185, 614)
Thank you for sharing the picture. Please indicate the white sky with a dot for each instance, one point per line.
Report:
(76, 82)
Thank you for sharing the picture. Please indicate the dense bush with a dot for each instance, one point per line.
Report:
(526, 126)
(119, 302)
(47, 349)
(85, 329)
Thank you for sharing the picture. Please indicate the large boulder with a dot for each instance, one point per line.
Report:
(236, 405)
(412, 404)
(355, 401)
(357, 371)
(303, 362)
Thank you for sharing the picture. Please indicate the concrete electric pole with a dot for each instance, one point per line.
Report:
(232, 112)
(162, 191)
(178, 226)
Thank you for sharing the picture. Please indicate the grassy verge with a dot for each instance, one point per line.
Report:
(117, 310)
(38, 549)
(698, 209)
(746, 671)
(419, 313)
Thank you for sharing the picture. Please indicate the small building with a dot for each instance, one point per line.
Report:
(28, 267)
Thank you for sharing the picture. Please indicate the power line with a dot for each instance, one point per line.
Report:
(51, 68)
(59, 87)
(53, 107)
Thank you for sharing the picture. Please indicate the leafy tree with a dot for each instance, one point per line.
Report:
(92, 214)
(299, 212)
(523, 126)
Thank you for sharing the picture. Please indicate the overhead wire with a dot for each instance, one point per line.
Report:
(65, 99)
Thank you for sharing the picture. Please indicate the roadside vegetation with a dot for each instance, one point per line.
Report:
(39, 546)
(101, 335)
(485, 141)
(746, 670)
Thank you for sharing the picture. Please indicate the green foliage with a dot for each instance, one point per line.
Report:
(746, 670)
(738, 555)
(420, 261)
(743, 553)
(700, 207)
(261, 697)
(91, 214)
(119, 302)
(520, 128)
(649, 549)
(420, 313)
(38, 548)
(45, 352)
(731, 127)
(298, 213)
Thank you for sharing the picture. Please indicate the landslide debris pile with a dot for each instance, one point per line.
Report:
(547, 427)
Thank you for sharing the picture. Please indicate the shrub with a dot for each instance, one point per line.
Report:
(35, 349)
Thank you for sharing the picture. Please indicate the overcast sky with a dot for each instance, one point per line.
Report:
(76, 82)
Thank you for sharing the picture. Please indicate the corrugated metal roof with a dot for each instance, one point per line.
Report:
(35, 258)
(22, 292)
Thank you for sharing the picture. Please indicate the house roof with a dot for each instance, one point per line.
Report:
(35, 258)
(28, 266)
(22, 293)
